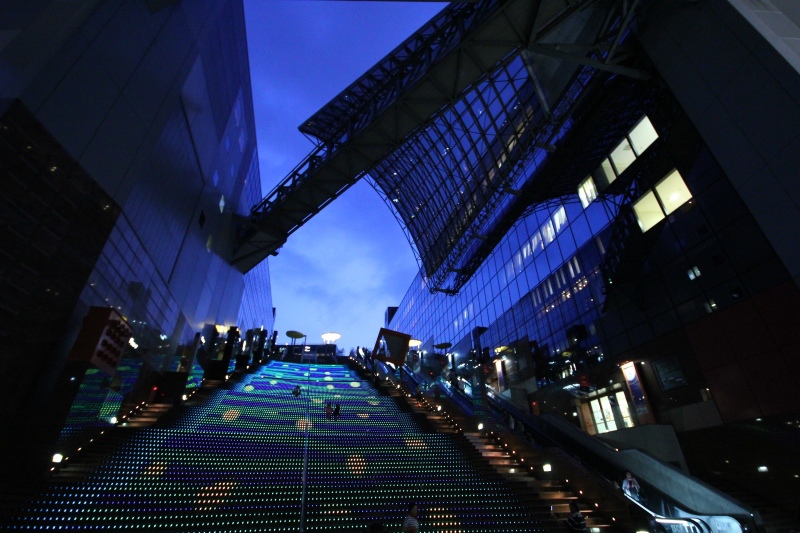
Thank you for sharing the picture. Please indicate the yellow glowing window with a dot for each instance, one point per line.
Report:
(587, 191)
(673, 192)
(605, 174)
(623, 156)
(648, 211)
(642, 135)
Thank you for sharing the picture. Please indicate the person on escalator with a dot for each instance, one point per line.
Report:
(631, 487)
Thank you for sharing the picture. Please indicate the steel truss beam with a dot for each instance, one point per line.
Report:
(375, 115)
(400, 104)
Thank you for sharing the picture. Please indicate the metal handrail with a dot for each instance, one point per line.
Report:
(665, 506)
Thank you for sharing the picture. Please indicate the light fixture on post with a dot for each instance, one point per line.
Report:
(330, 338)
(443, 346)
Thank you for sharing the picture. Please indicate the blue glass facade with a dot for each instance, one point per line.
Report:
(629, 235)
(150, 104)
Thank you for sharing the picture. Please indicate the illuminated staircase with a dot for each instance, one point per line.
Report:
(252, 457)
(543, 497)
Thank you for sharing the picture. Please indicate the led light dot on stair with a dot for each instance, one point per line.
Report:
(245, 474)
(231, 414)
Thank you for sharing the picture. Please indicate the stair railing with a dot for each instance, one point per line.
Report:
(674, 500)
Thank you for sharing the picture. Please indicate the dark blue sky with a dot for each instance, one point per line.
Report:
(341, 270)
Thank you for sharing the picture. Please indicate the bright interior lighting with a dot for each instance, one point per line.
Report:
(57, 457)
(547, 468)
(673, 192)
(605, 174)
(480, 426)
(648, 211)
(587, 191)
(331, 337)
(642, 135)
(623, 156)
(763, 469)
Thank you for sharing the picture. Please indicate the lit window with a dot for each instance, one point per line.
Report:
(526, 250)
(536, 242)
(587, 192)
(648, 211)
(605, 174)
(672, 192)
(548, 232)
(693, 273)
(560, 219)
(642, 135)
(623, 156)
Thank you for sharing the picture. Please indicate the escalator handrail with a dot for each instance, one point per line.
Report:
(688, 493)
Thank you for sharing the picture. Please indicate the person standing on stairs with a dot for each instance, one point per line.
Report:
(411, 524)
(576, 522)
(336, 411)
(631, 487)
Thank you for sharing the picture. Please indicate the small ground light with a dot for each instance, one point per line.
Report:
(763, 469)
(547, 468)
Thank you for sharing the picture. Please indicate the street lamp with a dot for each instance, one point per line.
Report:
(328, 338)
(445, 346)
(294, 335)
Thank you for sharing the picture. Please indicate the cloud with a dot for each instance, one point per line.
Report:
(343, 268)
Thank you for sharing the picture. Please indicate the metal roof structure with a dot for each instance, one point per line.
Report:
(450, 125)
